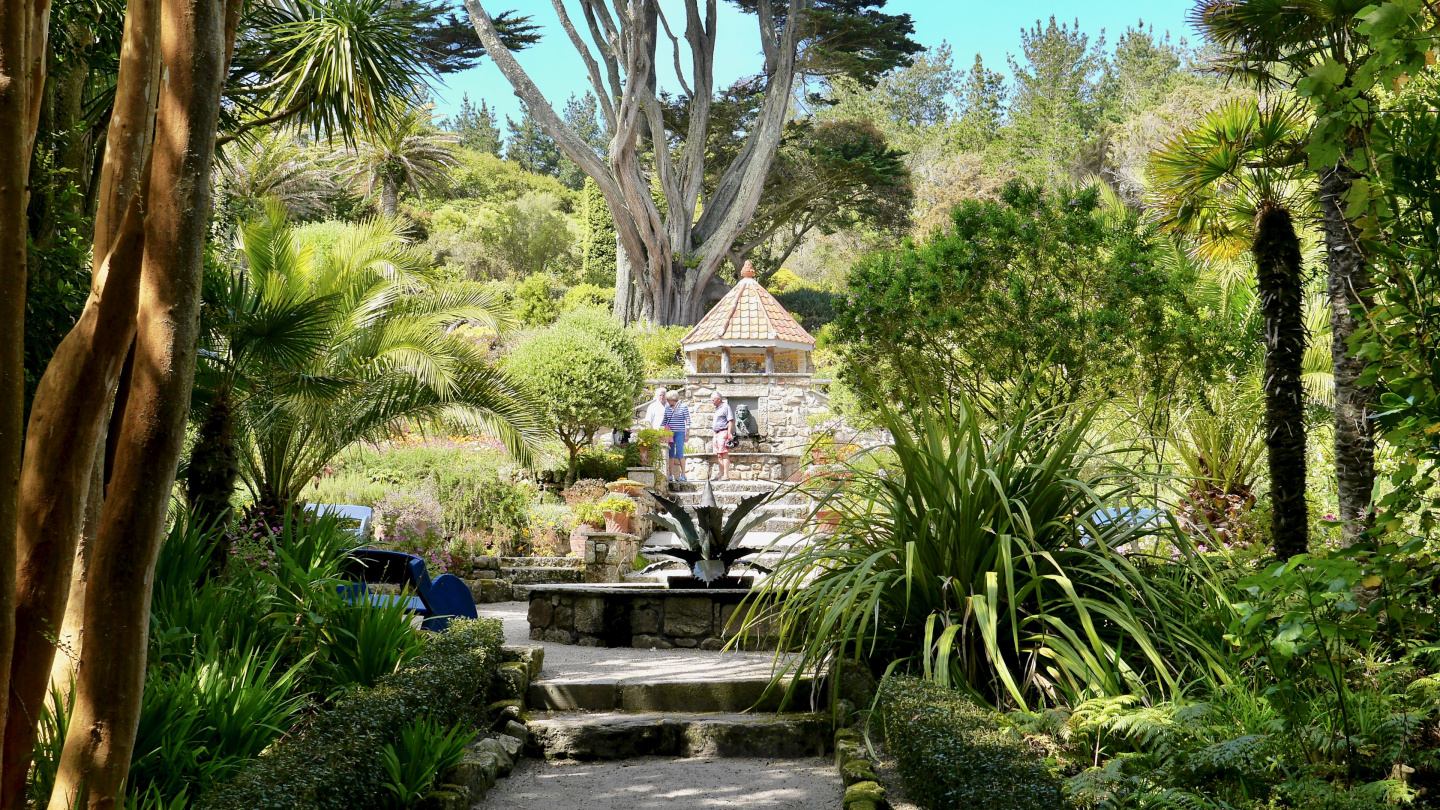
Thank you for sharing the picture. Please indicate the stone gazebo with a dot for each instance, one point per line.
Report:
(754, 353)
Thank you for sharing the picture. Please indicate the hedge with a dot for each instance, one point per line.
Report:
(334, 762)
(954, 754)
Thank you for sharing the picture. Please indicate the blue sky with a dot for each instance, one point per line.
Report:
(988, 27)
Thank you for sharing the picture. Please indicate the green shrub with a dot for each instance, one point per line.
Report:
(660, 349)
(475, 488)
(535, 303)
(426, 749)
(811, 306)
(587, 295)
(335, 763)
(955, 754)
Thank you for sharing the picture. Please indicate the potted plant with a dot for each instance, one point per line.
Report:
(590, 514)
(617, 510)
(822, 448)
(626, 487)
(650, 438)
(712, 541)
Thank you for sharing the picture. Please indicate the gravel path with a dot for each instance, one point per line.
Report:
(656, 783)
(600, 663)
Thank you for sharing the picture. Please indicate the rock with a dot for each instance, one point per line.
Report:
(644, 621)
(864, 792)
(485, 563)
(712, 644)
(862, 805)
(686, 642)
(505, 711)
(513, 680)
(532, 655)
(655, 642)
(512, 745)
(555, 636)
(856, 683)
(447, 797)
(847, 751)
(476, 771)
(847, 735)
(688, 617)
(857, 770)
(517, 730)
(541, 612)
(506, 762)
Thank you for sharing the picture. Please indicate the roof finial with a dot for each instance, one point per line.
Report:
(748, 271)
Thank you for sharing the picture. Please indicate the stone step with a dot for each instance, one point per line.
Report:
(623, 735)
(772, 531)
(683, 487)
(542, 575)
(734, 498)
(542, 562)
(661, 694)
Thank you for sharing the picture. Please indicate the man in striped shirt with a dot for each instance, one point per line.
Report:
(677, 421)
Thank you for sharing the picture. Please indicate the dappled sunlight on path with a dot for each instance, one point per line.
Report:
(643, 784)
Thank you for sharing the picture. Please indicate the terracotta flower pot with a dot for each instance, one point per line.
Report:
(829, 520)
(617, 522)
(644, 455)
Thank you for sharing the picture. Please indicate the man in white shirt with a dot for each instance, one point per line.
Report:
(655, 414)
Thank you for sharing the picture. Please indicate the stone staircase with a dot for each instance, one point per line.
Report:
(731, 710)
(778, 534)
(523, 572)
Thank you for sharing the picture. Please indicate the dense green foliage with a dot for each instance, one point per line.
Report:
(1097, 304)
(954, 754)
(336, 760)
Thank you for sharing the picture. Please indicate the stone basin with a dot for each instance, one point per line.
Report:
(645, 615)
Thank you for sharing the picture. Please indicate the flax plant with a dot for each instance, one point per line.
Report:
(999, 558)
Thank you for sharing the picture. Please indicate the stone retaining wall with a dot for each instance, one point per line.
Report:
(639, 617)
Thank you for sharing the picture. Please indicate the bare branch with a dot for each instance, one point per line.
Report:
(607, 105)
(609, 47)
(679, 74)
(768, 41)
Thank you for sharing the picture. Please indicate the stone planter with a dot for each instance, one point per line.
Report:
(642, 616)
(609, 555)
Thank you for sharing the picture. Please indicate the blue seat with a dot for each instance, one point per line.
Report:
(438, 600)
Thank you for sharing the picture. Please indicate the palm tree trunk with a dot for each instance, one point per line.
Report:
(389, 196)
(214, 468)
(1277, 269)
(1349, 282)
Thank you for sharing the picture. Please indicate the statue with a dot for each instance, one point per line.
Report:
(745, 425)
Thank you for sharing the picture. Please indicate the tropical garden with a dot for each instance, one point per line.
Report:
(1150, 328)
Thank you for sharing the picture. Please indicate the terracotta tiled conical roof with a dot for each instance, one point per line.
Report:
(748, 314)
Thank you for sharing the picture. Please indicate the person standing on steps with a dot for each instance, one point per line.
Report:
(724, 429)
(677, 420)
(655, 413)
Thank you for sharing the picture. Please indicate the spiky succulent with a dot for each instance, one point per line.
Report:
(712, 541)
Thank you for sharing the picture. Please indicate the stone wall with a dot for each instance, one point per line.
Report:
(639, 617)
(783, 403)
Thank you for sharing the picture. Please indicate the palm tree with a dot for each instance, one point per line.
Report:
(402, 149)
(372, 346)
(1281, 44)
(273, 166)
(1235, 182)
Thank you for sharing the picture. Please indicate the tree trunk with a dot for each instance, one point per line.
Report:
(389, 196)
(1278, 276)
(15, 142)
(64, 439)
(74, 397)
(1347, 288)
(214, 468)
(111, 677)
(67, 647)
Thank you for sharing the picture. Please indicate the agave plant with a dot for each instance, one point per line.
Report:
(712, 541)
